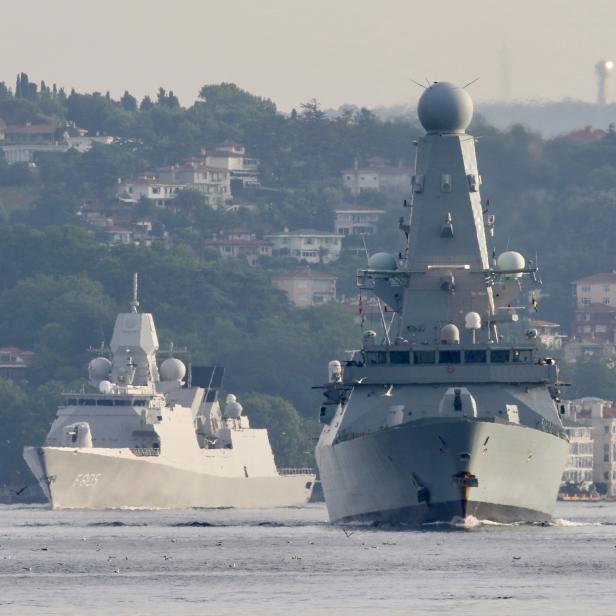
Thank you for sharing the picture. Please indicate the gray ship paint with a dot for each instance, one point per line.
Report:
(148, 440)
(439, 417)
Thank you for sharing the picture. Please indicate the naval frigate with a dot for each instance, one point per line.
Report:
(444, 416)
(153, 436)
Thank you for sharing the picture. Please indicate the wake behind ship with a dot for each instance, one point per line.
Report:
(148, 439)
(443, 416)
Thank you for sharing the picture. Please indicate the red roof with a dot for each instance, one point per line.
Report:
(22, 356)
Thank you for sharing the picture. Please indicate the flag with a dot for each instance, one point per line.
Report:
(535, 303)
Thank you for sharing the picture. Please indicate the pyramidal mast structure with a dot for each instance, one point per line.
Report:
(149, 437)
(443, 417)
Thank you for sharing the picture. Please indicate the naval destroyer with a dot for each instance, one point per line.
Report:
(448, 414)
(153, 436)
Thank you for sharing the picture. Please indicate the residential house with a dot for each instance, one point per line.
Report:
(149, 187)
(231, 156)
(240, 244)
(578, 474)
(213, 182)
(547, 333)
(307, 287)
(377, 176)
(601, 416)
(356, 220)
(14, 362)
(307, 245)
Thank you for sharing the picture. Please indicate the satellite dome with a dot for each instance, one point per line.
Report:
(233, 408)
(172, 369)
(99, 368)
(450, 334)
(382, 261)
(105, 387)
(511, 260)
(445, 108)
(472, 320)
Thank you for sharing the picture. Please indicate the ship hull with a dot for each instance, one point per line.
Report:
(436, 470)
(91, 479)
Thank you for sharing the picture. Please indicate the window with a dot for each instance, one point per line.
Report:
(376, 357)
(399, 357)
(522, 356)
(499, 357)
(606, 300)
(424, 357)
(600, 329)
(586, 301)
(449, 357)
(475, 357)
(585, 289)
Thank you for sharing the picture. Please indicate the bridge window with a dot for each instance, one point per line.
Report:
(376, 357)
(449, 357)
(475, 357)
(399, 357)
(522, 356)
(424, 357)
(499, 357)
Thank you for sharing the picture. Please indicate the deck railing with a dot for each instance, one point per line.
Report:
(145, 451)
(296, 471)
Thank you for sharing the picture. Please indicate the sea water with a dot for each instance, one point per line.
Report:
(293, 562)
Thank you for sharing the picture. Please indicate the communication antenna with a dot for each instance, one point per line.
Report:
(421, 85)
(470, 83)
(378, 301)
(135, 303)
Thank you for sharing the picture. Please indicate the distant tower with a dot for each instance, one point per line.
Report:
(505, 74)
(602, 70)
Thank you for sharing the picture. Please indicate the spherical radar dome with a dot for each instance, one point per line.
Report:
(99, 368)
(445, 108)
(172, 369)
(382, 261)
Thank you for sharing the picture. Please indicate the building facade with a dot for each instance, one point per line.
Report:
(600, 415)
(212, 182)
(377, 176)
(356, 220)
(307, 287)
(578, 473)
(240, 244)
(149, 187)
(307, 245)
(231, 156)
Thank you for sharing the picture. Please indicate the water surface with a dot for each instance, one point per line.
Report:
(291, 561)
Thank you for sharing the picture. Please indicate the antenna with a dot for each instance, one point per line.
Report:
(421, 85)
(378, 301)
(135, 303)
(470, 83)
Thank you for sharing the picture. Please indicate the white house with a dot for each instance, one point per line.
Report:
(232, 157)
(377, 176)
(307, 287)
(356, 220)
(148, 186)
(213, 182)
(307, 245)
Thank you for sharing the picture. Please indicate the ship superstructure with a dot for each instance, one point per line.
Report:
(153, 436)
(443, 416)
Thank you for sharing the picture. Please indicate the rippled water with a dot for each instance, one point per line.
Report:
(292, 561)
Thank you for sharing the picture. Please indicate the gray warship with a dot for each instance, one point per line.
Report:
(443, 417)
(155, 436)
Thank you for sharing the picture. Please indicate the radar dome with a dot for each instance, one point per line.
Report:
(450, 334)
(233, 408)
(99, 368)
(445, 108)
(382, 261)
(511, 260)
(172, 369)
(105, 387)
(472, 320)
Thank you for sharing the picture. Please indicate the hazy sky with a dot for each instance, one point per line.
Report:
(338, 51)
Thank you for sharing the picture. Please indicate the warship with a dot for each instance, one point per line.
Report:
(156, 436)
(449, 413)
